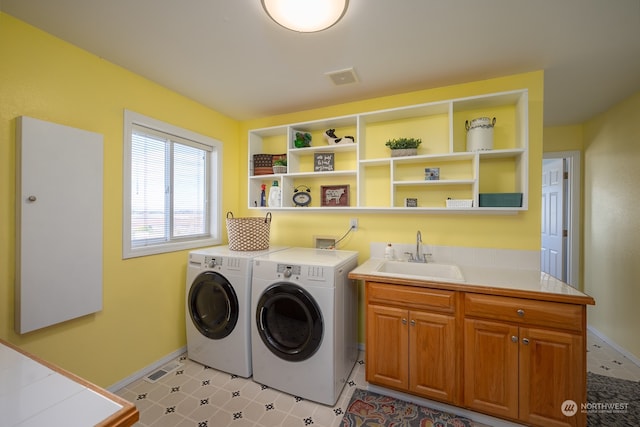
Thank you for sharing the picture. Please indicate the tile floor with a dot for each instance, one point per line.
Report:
(605, 360)
(196, 396)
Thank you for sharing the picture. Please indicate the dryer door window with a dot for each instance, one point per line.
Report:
(289, 322)
(213, 305)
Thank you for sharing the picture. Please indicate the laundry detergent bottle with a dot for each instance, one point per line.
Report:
(275, 195)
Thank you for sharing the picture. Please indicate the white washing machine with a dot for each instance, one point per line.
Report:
(218, 303)
(304, 322)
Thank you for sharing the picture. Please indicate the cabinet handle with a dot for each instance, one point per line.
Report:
(413, 323)
(525, 341)
(514, 338)
(520, 312)
(404, 321)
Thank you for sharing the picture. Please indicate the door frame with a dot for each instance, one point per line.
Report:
(573, 217)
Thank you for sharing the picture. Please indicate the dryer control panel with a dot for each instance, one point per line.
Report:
(305, 272)
(288, 270)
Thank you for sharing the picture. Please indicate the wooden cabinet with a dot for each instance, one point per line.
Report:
(387, 361)
(411, 340)
(377, 181)
(506, 356)
(432, 361)
(551, 371)
(491, 368)
(524, 358)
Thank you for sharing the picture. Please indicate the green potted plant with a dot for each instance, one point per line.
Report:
(403, 146)
(280, 166)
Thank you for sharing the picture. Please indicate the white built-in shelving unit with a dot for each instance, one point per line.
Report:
(379, 182)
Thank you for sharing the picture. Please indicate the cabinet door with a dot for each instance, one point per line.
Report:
(551, 371)
(491, 367)
(59, 223)
(387, 346)
(432, 355)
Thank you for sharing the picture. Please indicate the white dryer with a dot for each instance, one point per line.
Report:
(304, 323)
(218, 302)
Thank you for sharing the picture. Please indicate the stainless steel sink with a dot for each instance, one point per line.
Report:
(422, 271)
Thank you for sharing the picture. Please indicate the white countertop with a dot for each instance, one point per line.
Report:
(516, 282)
(32, 394)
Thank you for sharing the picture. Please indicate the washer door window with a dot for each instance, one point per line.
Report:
(213, 305)
(289, 322)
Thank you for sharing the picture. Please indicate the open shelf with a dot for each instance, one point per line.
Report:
(379, 182)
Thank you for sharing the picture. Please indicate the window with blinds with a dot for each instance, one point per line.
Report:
(172, 193)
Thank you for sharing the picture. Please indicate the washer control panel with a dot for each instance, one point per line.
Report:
(210, 261)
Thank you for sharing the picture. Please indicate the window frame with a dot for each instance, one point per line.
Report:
(133, 119)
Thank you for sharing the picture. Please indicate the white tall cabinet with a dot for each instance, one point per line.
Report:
(58, 223)
(379, 182)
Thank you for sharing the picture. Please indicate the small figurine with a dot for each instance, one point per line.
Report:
(331, 138)
(302, 140)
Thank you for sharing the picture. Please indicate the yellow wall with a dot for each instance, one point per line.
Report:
(612, 222)
(563, 138)
(143, 316)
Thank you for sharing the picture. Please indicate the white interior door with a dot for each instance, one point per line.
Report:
(59, 223)
(552, 254)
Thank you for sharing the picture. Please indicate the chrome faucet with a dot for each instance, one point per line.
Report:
(419, 256)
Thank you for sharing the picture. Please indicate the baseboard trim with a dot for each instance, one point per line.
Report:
(146, 370)
(613, 344)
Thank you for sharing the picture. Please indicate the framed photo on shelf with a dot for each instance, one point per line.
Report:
(334, 195)
(431, 174)
(410, 202)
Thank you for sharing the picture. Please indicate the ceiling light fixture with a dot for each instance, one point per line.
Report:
(305, 16)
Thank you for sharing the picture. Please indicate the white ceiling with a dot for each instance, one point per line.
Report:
(228, 55)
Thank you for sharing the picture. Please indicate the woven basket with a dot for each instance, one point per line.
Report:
(248, 234)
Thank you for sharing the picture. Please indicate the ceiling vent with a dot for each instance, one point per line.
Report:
(343, 77)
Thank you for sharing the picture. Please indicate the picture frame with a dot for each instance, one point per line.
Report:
(432, 174)
(323, 162)
(410, 202)
(334, 195)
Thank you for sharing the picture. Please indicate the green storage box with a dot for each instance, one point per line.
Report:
(500, 200)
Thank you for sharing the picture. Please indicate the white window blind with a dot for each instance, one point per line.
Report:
(170, 191)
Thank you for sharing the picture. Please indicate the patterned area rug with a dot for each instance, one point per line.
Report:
(375, 410)
(612, 401)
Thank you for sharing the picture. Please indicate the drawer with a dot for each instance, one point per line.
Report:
(411, 296)
(524, 311)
